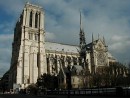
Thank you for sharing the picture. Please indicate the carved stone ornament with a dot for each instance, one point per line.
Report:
(101, 58)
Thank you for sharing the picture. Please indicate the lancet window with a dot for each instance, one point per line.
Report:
(30, 36)
(30, 20)
(36, 37)
(36, 20)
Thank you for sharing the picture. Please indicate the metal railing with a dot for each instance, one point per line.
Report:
(99, 91)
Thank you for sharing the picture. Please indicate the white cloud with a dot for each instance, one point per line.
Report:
(50, 36)
(120, 38)
(116, 46)
(117, 38)
(4, 37)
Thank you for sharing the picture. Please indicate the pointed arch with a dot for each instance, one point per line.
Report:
(39, 19)
(36, 20)
(30, 20)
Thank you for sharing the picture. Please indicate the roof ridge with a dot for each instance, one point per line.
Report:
(61, 43)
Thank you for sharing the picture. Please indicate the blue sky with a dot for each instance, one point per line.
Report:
(109, 18)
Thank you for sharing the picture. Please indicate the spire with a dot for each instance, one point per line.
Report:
(104, 40)
(98, 36)
(82, 35)
(82, 46)
(80, 21)
(92, 38)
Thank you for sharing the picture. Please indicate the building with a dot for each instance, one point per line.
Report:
(28, 60)
(33, 56)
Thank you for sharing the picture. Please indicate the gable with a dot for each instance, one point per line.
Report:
(99, 45)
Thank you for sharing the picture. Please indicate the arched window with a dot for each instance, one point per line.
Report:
(30, 21)
(36, 20)
(38, 59)
(36, 37)
(39, 19)
(30, 36)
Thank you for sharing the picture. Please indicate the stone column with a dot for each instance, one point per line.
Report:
(72, 61)
(65, 61)
(26, 62)
(50, 65)
(19, 72)
(26, 35)
(24, 16)
(33, 19)
(27, 17)
(59, 64)
(38, 20)
(42, 59)
(31, 66)
(35, 68)
(42, 20)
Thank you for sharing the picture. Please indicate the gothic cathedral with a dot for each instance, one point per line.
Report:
(32, 56)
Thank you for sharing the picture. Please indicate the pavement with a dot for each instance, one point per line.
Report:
(55, 96)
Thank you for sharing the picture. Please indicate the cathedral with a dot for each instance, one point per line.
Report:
(32, 56)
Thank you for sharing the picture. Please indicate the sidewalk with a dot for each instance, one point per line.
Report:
(55, 96)
(80, 96)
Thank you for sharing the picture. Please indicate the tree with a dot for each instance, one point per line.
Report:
(32, 89)
(48, 81)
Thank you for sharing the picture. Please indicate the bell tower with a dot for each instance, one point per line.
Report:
(29, 62)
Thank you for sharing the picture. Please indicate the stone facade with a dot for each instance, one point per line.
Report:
(32, 56)
(28, 51)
